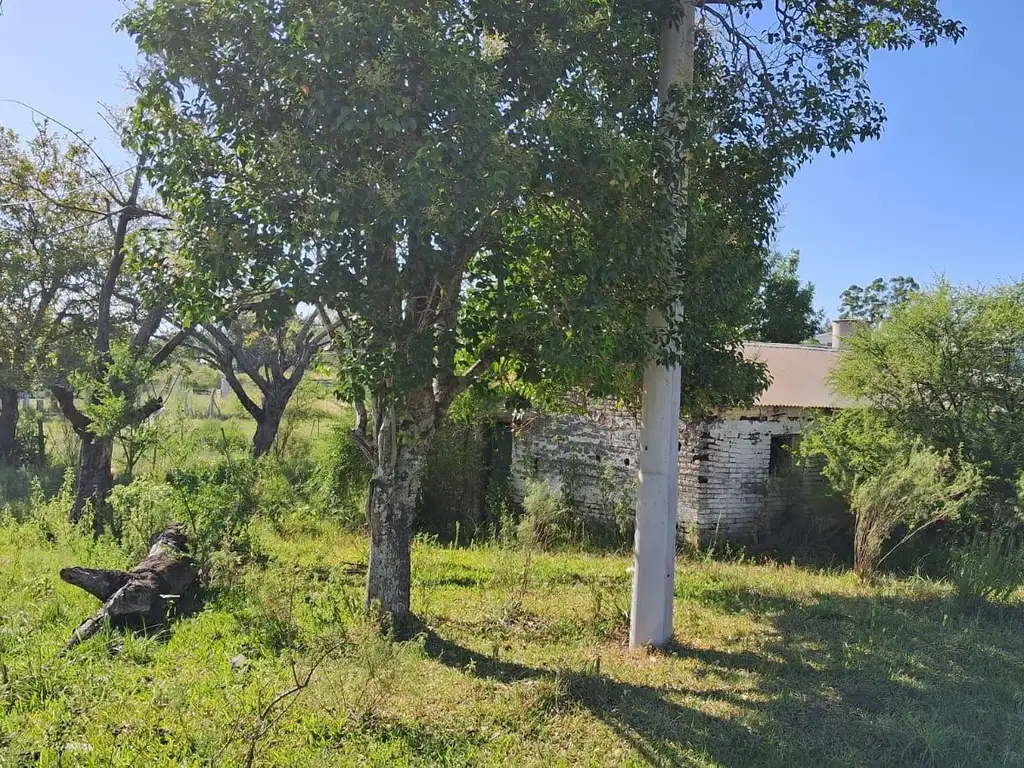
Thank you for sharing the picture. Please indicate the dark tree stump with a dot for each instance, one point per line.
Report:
(137, 598)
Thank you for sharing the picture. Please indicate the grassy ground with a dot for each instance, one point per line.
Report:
(519, 660)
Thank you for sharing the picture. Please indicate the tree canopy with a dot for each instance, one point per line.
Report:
(48, 201)
(490, 189)
(876, 301)
(784, 310)
(946, 368)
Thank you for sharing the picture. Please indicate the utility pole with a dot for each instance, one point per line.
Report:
(654, 550)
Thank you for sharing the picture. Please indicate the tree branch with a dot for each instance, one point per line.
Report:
(66, 403)
(243, 397)
(244, 364)
(169, 346)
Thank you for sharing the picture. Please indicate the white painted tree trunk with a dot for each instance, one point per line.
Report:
(657, 496)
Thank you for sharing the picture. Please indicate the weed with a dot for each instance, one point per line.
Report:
(988, 567)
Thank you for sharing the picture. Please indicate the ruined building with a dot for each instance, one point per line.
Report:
(736, 472)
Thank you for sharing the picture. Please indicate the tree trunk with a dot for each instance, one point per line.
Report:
(8, 425)
(136, 599)
(95, 477)
(390, 508)
(267, 427)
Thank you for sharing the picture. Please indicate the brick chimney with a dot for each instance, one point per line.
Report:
(844, 329)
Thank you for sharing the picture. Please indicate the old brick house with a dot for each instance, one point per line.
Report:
(736, 474)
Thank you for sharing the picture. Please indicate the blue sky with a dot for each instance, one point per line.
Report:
(939, 194)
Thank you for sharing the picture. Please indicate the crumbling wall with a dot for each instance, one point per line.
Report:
(732, 483)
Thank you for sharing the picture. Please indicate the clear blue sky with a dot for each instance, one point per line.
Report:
(939, 194)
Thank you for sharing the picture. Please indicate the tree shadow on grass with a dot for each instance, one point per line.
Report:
(841, 681)
(663, 731)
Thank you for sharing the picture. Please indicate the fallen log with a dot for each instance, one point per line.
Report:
(138, 598)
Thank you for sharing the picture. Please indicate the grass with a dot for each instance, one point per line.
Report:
(519, 659)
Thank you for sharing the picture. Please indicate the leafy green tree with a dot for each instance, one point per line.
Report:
(946, 369)
(942, 376)
(877, 301)
(489, 189)
(47, 258)
(784, 308)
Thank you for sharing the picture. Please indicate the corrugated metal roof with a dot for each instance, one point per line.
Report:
(799, 375)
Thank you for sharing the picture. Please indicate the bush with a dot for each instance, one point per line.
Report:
(142, 509)
(341, 479)
(547, 522)
(31, 440)
(988, 567)
(917, 490)
(16, 484)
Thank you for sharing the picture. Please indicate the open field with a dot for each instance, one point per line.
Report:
(519, 660)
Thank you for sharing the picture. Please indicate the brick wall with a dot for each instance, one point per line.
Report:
(726, 491)
(574, 452)
(738, 496)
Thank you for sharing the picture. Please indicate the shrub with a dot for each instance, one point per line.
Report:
(618, 499)
(890, 480)
(30, 439)
(16, 484)
(546, 521)
(217, 506)
(915, 490)
(341, 478)
(988, 566)
(140, 510)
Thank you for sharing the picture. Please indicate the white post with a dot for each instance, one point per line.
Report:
(657, 496)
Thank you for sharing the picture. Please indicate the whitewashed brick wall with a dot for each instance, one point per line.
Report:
(724, 487)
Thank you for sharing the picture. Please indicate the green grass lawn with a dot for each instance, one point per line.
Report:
(519, 660)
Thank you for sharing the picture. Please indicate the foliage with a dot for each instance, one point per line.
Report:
(31, 441)
(218, 505)
(547, 521)
(946, 369)
(891, 480)
(135, 439)
(916, 489)
(784, 307)
(618, 499)
(341, 477)
(48, 199)
(988, 566)
(142, 509)
(17, 483)
(877, 301)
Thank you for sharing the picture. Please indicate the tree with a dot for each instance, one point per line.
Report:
(891, 481)
(943, 376)
(877, 301)
(274, 360)
(784, 309)
(48, 256)
(489, 190)
(129, 339)
(946, 369)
